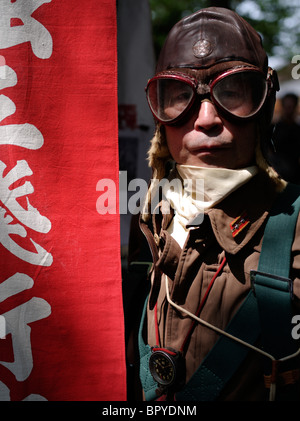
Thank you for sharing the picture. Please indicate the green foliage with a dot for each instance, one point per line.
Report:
(278, 23)
(165, 13)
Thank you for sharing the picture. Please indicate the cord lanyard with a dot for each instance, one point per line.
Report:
(167, 365)
(201, 305)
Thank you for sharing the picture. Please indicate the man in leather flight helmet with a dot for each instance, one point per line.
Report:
(212, 98)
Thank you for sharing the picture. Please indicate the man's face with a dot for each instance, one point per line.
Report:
(209, 140)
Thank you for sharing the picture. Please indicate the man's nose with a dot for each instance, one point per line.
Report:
(207, 117)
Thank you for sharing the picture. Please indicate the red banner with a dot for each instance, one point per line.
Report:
(61, 323)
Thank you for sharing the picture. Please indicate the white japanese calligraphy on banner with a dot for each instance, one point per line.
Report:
(31, 30)
(14, 218)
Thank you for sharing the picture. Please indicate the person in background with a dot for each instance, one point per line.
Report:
(211, 196)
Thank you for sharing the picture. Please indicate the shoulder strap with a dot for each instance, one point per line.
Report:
(214, 372)
(272, 284)
(271, 281)
(149, 385)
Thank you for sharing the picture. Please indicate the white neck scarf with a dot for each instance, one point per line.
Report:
(202, 189)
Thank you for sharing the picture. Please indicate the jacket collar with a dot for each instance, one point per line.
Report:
(253, 201)
(236, 219)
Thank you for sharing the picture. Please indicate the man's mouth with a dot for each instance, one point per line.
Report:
(209, 148)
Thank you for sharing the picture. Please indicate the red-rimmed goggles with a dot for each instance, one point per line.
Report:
(239, 93)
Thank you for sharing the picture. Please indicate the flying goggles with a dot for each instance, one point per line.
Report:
(239, 93)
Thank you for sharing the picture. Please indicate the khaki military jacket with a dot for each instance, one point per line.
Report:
(190, 270)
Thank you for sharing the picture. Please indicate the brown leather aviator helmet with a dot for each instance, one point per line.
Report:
(206, 45)
(212, 36)
(214, 40)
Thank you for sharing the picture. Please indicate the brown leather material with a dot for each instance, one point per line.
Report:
(287, 377)
(211, 36)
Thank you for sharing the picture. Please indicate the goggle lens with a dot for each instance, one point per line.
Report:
(169, 98)
(240, 93)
